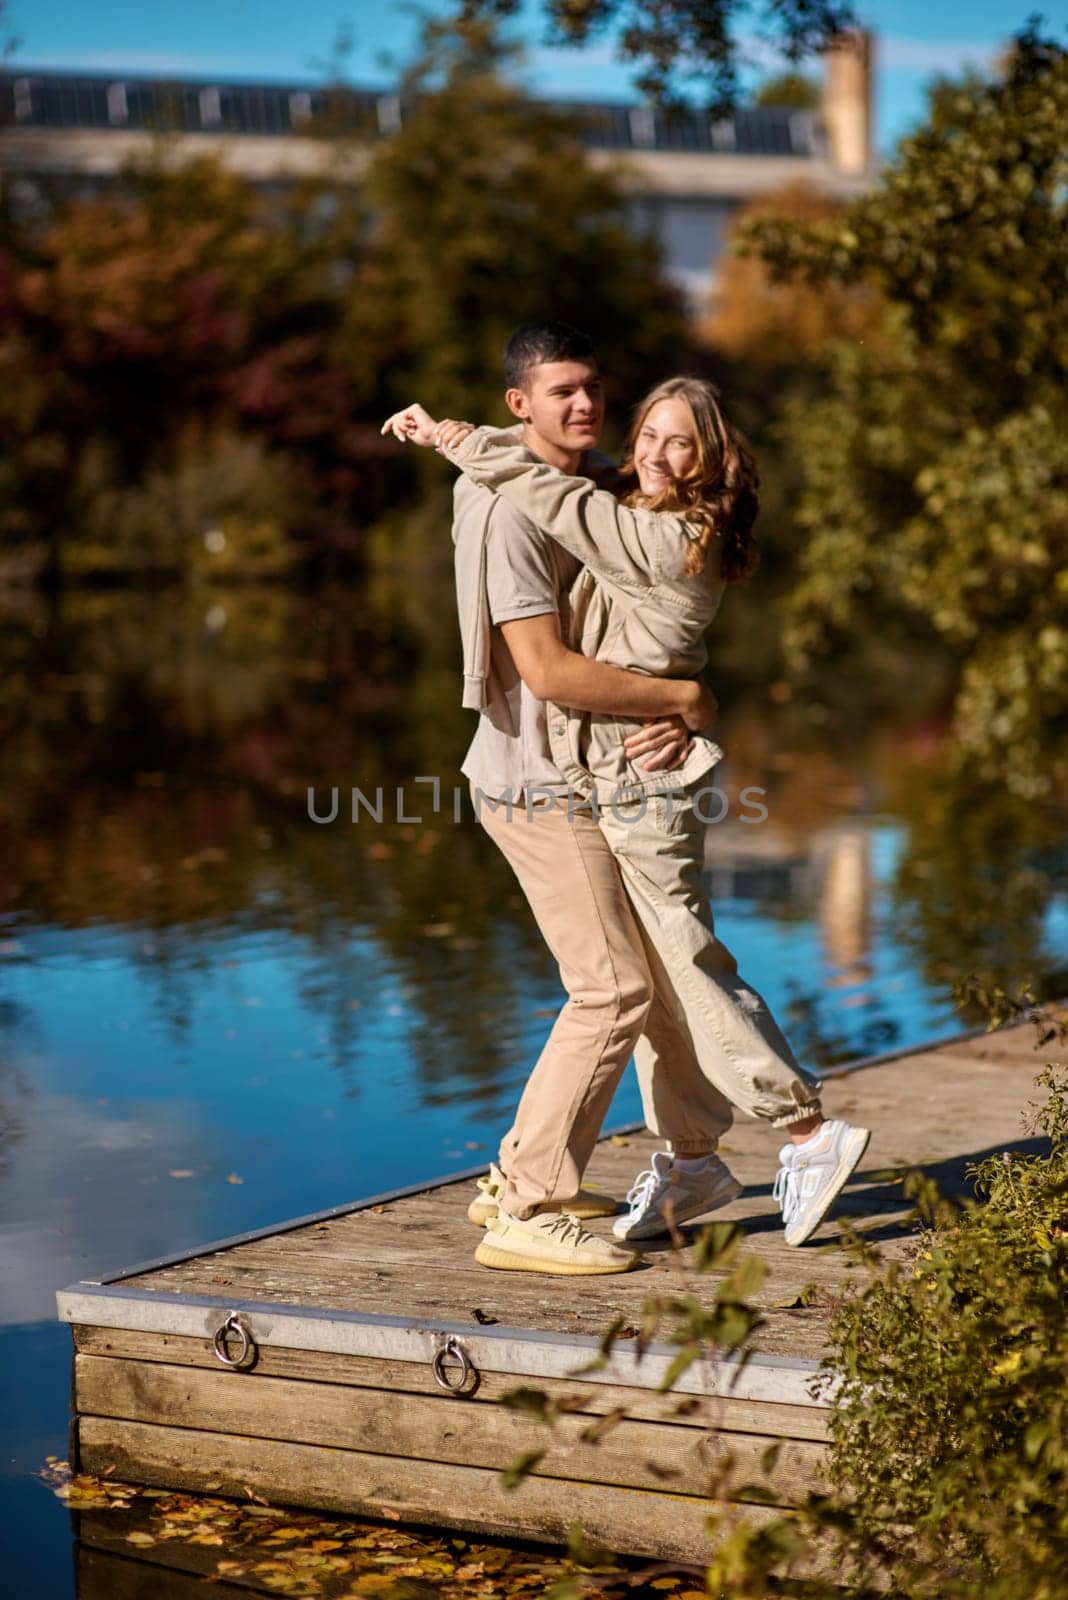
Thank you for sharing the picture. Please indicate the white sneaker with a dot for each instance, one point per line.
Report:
(691, 1194)
(813, 1174)
(550, 1241)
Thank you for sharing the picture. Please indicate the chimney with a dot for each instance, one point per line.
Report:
(847, 102)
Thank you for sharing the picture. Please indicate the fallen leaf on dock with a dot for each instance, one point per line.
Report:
(617, 1138)
(378, 1210)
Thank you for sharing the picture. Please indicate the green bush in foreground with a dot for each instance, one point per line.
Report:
(949, 1461)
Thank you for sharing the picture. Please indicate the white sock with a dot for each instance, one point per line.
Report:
(690, 1163)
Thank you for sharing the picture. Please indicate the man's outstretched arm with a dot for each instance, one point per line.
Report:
(553, 672)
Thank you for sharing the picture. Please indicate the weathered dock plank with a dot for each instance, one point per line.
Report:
(670, 1526)
(638, 1453)
(414, 1377)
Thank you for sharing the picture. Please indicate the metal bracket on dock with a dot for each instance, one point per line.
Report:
(450, 1348)
(234, 1325)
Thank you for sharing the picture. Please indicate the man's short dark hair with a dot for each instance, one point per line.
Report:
(536, 342)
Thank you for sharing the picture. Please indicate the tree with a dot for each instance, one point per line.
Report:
(791, 89)
(675, 40)
(777, 322)
(144, 328)
(936, 467)
(487, 212)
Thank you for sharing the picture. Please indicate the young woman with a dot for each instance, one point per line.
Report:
(656, 563)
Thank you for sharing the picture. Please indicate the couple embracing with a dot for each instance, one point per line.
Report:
(584, 593)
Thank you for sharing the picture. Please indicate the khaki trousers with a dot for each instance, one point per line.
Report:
(571, 880)
(659, 985)
(722, 1047)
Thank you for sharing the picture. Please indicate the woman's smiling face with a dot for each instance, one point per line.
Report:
(666, 447)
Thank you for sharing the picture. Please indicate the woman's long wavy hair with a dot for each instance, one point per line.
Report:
(719, 498)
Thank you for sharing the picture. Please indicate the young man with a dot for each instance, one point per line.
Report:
(512, 584)
(742, 1052)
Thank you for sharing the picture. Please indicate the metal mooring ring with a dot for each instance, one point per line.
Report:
(235, 1326)
(450, 1348)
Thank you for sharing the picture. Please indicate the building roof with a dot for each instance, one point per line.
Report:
(57, 100)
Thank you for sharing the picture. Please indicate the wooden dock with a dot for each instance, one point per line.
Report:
(334, 1324)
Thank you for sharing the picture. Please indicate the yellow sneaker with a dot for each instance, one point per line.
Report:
(490, 1187)
(551, 1241)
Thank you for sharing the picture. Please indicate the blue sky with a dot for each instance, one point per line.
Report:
(280, 39)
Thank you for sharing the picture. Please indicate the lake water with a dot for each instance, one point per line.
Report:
(216, 1013)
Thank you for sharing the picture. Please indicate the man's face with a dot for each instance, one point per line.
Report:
(563, 404)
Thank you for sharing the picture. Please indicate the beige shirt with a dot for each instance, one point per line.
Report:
(523, 573)
(633, 606)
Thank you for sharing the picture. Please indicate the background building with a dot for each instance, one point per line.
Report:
(685, 174)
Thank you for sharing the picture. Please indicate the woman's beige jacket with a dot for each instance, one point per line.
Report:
(632, 606)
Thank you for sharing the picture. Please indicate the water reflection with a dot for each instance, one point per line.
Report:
(15, 1087)
(215, 1013)
(157, 756)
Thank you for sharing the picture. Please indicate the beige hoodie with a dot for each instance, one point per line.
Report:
(633, 606)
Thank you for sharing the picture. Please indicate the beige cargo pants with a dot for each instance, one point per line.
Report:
(623, 908)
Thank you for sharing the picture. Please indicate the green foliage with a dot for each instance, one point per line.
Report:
(936, 467)
(671, 40)
(791, 89)
(488, 213)
(512, 1475)
(949, 1434)
(219, 508)
(952, 1419)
